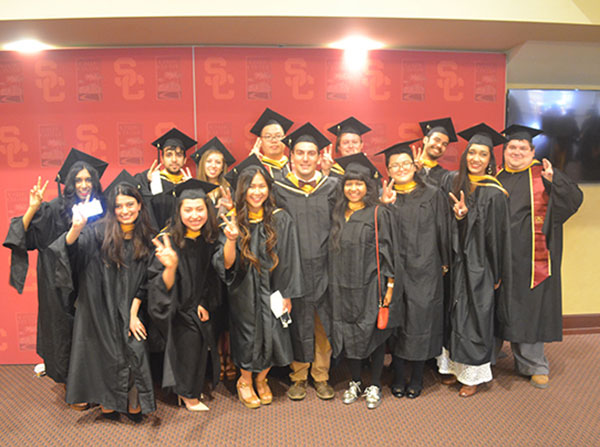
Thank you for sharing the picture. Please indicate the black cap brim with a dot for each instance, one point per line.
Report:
(398, 148)
(176, 138)
(482, 134)
(217, 145)
(519, 132)
(359, 163)
(192, 185)
(123, 177)
(349, 125)
(442, 125)
(76, 155)
(271, 117)
(235, 172)
(307, 132)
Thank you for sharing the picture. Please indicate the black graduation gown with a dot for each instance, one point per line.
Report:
(105, 360)
(353, 285)
(259, 340)
(277, 173)
(480, 259)
(161, 206)
(419, 221)
(312, 214)
(537, 313)
(434, 176)
(175, 313)
(55, 306)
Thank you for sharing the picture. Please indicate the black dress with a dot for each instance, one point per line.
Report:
(536, 313)
(55, 306)
(258, 339)
(175, 313)
(353, 284)
(419, 221)
(311, 211)
(105, 360)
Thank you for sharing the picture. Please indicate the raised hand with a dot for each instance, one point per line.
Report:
(155, 167)
(327, 159)
(165, 253)
(417, 156)
(225, 200)
(388, 195)
(203, 314)
(231, 229)
(460, 208)
(548, 171)
(256, 149)
(186, 174)
(36, 194)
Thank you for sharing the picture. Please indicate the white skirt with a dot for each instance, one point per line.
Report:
(466, 374)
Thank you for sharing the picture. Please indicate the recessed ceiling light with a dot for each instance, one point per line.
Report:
(27, 46)
(357, 42)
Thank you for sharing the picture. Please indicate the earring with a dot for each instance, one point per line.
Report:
(488, 170)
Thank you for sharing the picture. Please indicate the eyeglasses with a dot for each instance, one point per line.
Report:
(404, 165)
(276, 137)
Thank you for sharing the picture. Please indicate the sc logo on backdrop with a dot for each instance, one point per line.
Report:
(50, 83)
(298, 79)
(449, 81)
(3, 334)
(88, 135)
(218, 78)
(12, 146)
(377, 81)
(128, 79)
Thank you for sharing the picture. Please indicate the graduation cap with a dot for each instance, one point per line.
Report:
(235, 172)
(271, 117)
(173, 138)
(349, 125)
(193, 189)
(123, 177)
(309, 133)
(75, 156)
(519, 132)
(214, 144)
(442, 125)
(398, 148)
(358, 163)
(482, 134)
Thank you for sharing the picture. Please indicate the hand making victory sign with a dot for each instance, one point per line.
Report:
(460, 209)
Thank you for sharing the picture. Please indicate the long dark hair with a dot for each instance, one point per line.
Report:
(241, 206)
(112, 244)
(339, 209)
(69, 193)
(461, 181)
(177, 229)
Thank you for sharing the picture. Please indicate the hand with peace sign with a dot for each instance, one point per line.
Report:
(186, 174)
(327, 160)
(388, 194)
(459, 208)
(547, 172)
(165, 253)
(36, 194)
(417, 156)
(256, 149)
(225, 201)
(154, 168)
(231, 229)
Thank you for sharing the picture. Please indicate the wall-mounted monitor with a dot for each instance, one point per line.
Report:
(570, 120)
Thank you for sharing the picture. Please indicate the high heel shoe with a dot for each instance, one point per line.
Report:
(264, 392)
(190, 405)
(230, 369)
(252, 401)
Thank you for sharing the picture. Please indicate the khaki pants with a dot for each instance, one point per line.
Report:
(320, 365)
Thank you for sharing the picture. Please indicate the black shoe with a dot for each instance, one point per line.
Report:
(112, 416)
(135, 417)
(398, 391)
(413, 394)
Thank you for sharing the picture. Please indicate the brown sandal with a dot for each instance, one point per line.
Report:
(264, 392)
(467, 390)
(252, 401)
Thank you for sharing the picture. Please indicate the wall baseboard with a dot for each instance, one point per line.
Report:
(581, 324)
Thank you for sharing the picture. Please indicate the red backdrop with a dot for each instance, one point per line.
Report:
(112, 103)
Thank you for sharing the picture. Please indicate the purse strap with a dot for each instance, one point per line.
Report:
(377, 251)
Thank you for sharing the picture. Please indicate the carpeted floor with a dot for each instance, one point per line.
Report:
(508, 411)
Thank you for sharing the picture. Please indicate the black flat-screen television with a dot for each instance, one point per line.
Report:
(570, 120)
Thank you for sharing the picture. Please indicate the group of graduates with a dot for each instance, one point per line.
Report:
(430, 264)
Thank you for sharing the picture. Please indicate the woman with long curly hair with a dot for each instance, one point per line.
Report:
(259, 256)
(361, 276)
(109, 362)
(42, 224)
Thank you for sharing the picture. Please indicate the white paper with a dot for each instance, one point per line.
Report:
(88, 209)
(277, 304)
(156, 183)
